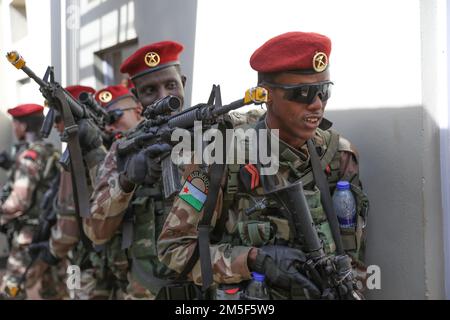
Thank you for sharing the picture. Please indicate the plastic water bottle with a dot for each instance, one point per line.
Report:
(257, 289)
(344, 205)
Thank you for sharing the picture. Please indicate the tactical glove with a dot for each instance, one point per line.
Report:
(278, 263)
(145, 166)
(89, 135)
(42, 250)
(5, 160)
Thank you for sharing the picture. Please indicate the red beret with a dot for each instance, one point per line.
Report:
(111, 94)
(151, 58)
(75, 91)
(25, 110)
(300, 51)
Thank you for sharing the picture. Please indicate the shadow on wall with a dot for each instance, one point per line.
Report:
(390, 143)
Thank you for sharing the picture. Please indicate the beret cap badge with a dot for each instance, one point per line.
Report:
(152, 59)
(105, 96)
(320, 61)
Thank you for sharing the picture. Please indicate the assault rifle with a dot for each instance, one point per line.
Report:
(71, 111)
(332, 273)
(160, 124)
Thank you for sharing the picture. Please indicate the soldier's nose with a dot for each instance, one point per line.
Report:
(316, 104)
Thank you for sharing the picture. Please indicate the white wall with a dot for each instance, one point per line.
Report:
(375, 59)
(386, 65)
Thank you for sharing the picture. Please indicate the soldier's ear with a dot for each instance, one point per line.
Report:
(183, 80)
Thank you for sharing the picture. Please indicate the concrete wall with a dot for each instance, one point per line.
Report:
(104, 24)
(434, 92)
(385, 100)
(391, 172)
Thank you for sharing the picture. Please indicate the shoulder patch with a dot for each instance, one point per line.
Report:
(30, 154)
(195, 190)
(345, 145)
(249, 176)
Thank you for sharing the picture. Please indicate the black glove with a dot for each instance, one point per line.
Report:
(145, 166)
(42, 249)
(279, 264)
(89, 135)
(5, 160)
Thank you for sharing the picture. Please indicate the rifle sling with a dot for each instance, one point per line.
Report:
(322, 184)
(78, 171)
(202, 250)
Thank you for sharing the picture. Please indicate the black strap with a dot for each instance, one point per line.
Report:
(78, 172)
(202, 250)
(322, 184)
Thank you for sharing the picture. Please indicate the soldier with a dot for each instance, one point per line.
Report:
(67, 238)
(129, 192)
(34, 170)
(250, 237)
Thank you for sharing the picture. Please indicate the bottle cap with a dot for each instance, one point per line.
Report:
(258, 276)
(343, 185)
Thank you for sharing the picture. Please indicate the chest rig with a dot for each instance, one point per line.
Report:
(255, 220)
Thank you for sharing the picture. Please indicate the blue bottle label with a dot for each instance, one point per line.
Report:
(347, 222)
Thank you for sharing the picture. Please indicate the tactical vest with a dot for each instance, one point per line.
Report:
(148, 210)
(253, 224)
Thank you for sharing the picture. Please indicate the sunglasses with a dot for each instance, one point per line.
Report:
(115, 115)
(305, 93)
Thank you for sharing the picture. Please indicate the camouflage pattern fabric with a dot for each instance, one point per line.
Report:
(178, 238)
(103, 273)
(33, 172)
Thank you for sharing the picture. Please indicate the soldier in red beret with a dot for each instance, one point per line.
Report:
(260, 241)
(29, 178)
(126, 187)
(155, 71)
(123, 108)
(99, 280)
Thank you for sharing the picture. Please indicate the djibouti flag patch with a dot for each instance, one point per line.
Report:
(193, 196)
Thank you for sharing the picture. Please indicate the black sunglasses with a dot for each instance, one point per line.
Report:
(305, 93)
(116, 114)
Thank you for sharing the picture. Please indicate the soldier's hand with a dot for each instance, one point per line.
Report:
(145, 166)
(89, 135)
(43, 250)
(278, 263)
(5, 160)
(156, 153)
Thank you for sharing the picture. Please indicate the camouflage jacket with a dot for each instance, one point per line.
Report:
(240, 189)
(35, 167)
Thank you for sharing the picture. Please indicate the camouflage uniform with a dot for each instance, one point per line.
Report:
(33, 173)
(147, 210)
(240, 232)
(145, 206)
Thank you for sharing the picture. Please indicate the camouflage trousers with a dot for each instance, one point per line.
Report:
(52, 278)
(97, 287)
(103, 273)
(135, 291)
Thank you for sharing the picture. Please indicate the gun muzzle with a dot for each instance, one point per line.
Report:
(164, 106)
(15, 59)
